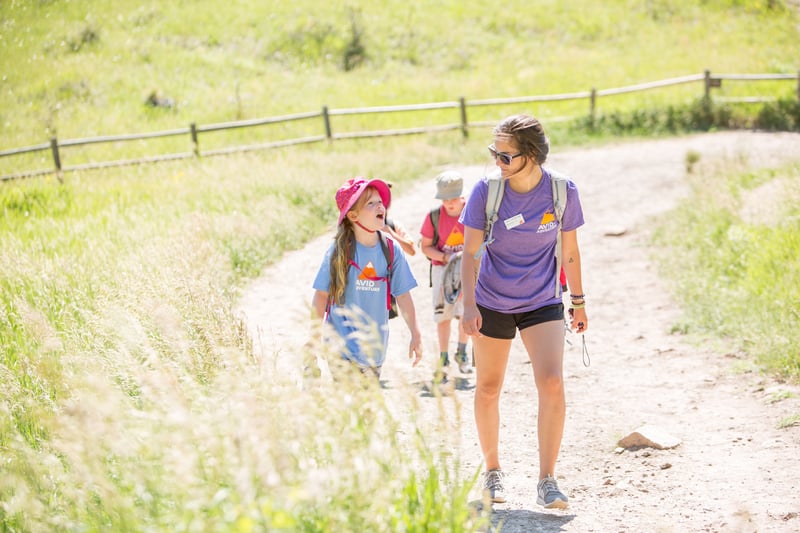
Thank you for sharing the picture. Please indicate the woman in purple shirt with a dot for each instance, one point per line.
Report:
(515, 291)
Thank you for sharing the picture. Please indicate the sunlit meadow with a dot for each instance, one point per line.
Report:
(131, 398)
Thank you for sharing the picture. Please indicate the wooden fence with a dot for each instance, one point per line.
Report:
(55, 146)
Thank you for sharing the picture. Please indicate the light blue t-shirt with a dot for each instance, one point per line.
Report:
(363, 320)
(518, 270)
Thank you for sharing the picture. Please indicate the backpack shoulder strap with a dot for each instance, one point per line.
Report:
(494, 197)
(559, 185)
(387, 246)
(435, 223)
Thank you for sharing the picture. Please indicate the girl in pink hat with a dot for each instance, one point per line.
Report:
(355, 281)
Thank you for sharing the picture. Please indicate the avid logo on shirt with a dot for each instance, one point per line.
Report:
(548, 222)
(363, 283)
(454, 242)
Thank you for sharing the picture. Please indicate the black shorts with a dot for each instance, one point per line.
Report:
(504, 325)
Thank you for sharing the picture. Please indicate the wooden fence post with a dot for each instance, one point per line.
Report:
(592, 104)
(327, 119)
(464, 125)
(195, 142)
(707, 84)
(56, 156)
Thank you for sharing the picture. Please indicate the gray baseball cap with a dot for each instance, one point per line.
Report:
(449, 185)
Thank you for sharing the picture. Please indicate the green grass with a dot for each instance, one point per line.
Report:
(779, 396)
(79, 69)
(130, 397)
(739, 279)
(789, 421)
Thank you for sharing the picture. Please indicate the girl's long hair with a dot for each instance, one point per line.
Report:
(343, 250)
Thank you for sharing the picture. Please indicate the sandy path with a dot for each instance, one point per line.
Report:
(733, 471)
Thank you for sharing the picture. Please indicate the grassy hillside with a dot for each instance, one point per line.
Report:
(79, 69)
(130, 398)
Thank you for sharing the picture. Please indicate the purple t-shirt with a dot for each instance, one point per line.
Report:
(518, 270)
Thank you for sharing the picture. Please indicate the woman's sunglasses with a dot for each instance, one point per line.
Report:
(504, 158)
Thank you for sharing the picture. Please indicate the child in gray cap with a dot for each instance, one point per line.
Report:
(442, 242)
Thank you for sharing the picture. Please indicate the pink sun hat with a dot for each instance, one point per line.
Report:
(349, 193)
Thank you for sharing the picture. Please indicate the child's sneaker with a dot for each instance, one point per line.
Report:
(549, 496)
(493, 485)
(464, 366)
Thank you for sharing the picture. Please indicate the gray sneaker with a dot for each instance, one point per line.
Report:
(464, 366)
(549, 496)
(493, 485)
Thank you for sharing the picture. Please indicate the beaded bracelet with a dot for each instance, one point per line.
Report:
(577, 296)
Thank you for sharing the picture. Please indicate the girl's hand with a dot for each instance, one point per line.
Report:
(472, 321)
(415, 349)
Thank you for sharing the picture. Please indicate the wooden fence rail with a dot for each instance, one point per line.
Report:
(193, 131)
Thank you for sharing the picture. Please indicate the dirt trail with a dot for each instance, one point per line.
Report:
(733, 471)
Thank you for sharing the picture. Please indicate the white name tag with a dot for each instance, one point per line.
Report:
(514, 221)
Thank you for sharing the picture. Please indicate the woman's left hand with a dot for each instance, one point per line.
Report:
(578, 322)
